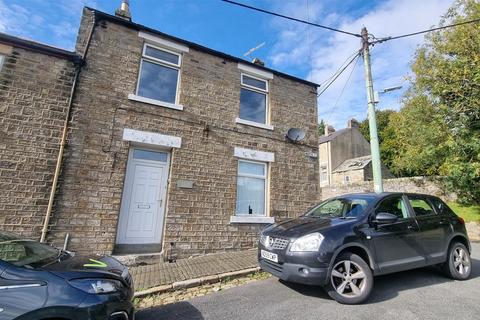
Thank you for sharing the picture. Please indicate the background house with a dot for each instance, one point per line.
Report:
(344, 157)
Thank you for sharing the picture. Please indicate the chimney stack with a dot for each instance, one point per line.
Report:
(258, 62)
(124, 11)
(353, 123)
(329, 130)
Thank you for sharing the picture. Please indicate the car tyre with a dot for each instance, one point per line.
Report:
(350, 280)
(458, 265)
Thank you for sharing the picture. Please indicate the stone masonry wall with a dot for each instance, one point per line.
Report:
(34, 92)
(427, 185)
(197, 220)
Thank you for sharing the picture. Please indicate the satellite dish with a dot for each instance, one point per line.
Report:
(295, 134)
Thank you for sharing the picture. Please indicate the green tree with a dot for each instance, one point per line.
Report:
(439, 126)
(386, 135)
(419, 134)
(321, 127)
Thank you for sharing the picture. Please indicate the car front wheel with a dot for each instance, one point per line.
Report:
(458, 265)
(351, 279)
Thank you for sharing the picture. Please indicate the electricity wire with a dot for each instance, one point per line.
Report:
(338, 73)
(343, 89)
(338, 70)
(291, 18)
(380, 40)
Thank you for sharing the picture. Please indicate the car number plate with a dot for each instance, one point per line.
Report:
(269, 256)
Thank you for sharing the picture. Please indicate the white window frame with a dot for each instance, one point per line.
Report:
(242, 75)
(266, 92)
(264, 177)
(164, 63)
(324, 165)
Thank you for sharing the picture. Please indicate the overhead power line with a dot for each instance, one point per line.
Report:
(337, 74)
(347, 60)
(291, 18)
(424, 31)
(343, 89)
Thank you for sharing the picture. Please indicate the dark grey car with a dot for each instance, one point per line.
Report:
(343, 242)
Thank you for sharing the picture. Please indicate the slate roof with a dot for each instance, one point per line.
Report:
(38, 47)
(354, 164)
(332, 136)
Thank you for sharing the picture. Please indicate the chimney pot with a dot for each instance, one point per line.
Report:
(353, 123)
(258, 62)
(329, 130)
(124, 11)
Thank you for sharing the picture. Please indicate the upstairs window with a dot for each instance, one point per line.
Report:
(254, 99)
(159, 74)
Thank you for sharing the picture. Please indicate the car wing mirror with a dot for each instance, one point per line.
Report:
(385, 218)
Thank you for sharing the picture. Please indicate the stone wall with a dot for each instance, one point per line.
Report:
(34, 92)
(197, 219)
(354, 176)
(427, 185)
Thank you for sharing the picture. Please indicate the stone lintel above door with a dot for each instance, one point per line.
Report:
(151, 138)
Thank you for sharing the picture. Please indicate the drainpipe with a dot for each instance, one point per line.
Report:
(63, 141)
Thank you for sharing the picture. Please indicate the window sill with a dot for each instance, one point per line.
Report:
(252, 219)
(254, 124)
(134, 97)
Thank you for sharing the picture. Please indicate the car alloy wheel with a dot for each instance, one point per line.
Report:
(348, 279)
(461, 261)
(458, 265)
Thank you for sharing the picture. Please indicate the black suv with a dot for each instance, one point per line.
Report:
(344, 241)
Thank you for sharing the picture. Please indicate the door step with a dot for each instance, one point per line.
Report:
(133, 260)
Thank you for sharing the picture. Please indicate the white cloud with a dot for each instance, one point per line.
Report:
(54, 23)
(390, 60)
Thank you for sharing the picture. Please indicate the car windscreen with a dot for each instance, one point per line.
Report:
(342, 207)
(26, 253)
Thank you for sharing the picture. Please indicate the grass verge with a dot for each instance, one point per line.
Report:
(189, 293)
(470, 213)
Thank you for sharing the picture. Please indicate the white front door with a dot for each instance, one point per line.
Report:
(143, 203)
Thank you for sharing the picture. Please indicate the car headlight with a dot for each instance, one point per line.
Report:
(310, 242)
(97, 286)
(263, 240)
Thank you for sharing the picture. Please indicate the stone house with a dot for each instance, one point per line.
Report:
(35, 85)
(170, 146)
(344, 157)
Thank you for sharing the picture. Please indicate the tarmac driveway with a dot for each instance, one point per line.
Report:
(418, 294)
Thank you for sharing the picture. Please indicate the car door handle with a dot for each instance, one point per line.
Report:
(443, 222)
(412, 227)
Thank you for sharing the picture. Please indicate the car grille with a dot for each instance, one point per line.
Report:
(275, 243)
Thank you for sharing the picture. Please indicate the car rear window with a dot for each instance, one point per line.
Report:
(441, 207)
(421, 206)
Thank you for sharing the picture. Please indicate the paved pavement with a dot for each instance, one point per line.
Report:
(163, 273)
(417, 294)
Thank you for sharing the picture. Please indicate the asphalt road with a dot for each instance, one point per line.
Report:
(417, 294)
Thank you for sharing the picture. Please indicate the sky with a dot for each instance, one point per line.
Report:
(303, 51)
